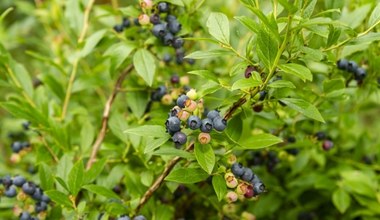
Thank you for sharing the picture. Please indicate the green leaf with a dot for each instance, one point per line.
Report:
(220, 186)
(245, 84)
(176, 2)
(62, 183)
(23, 77)
(46, 177)
(154, 144)
(205, 74)
(87, 135)
(298, 70)
(209, 54)
(334, 87)
(148, 131)
(218, 27)
(76, 178)
(174, 152)
(187, 175)
(308, 11)
(375, 16)
(101, 190)
(59, 197)
(304, 107)
(259, 141)
(249, 23)
(137, 101)
(288, 6)
(360, 183)
(355, 18)
(91, 42)
(205, 156)
(341, 200)
(145, 65)
(282, 84)
(267, 47)
(118, 53)
(95, 170)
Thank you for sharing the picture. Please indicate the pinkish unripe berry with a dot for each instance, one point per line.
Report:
(146, 4)
(231, 196)
(183, 115)
(242, 188)
(184, 80)
(190, 105)
(204, 138)
(144, 19)
(231, 181)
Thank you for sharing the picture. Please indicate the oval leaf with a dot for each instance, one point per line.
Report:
(218, 27)
(76, 178)
(245, 84)
(300, 71)
(267, 47)
(208, 54)
(304, 107)
(59, 197)
(375, 16)
(145, 65)
(148, 131)
(205, 157)
(259, 141)
(187, 175)
(101, 190)
(341, 200)
(220, 186)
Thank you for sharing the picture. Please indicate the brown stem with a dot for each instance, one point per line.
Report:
(106, 113)
(234, 107)
(160, 179)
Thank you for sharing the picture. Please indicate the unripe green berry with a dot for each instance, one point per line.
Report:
(192, 94)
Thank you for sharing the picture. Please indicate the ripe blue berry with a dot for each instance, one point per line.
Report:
(118, 28)
(139, 217)
(6, 181)
(19, 181)
(37, 195)
(163, 7)
(342, 64)
(263, 94)
(352, 66)
(178, 42)
(45, 198)
(258, 188)
(159, 93)
(40, 207)
(136, 22)
(360, 73)
(26, 125)
(206, 125)
(167, 58)
(25, 216)
(159, 30)
(213, 114)
(194, 122)
(173, 124)
(10, 192)
(29, 188)
(170, 18)
(180, 55)
(292, 139)
(168, 39)
(247, 175)
(126, 23)
(182, 100)
(219, 123)
(190, 61)
(123, 217)
(155, 19)
(25, 144)
(255, 179)
(237, 169)
(16, 146)
(174, 26)
(179, 138)
(320, 135)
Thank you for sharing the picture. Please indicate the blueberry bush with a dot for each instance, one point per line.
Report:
(189, 109)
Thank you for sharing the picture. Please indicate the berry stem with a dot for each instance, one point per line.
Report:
(157, 183)
(106, 113)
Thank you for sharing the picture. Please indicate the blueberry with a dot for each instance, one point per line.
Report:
(179, 138)
(40, 207)
(248, 71)
(180, 55)
(167, 58)
(124, 217)
(136, 22)
(327, 145)
(190, 61)
(263, 94)
(292, 139)
(159, 93)
(255, 179)
(174, 111)
(219, 123)
(45, 198)
(178, 42)
(25, 216)
(247, 175)
(182, 100)
(170, 18)
(159, 30)
(139, 217)
(206, 125)
(320, 135)
(173, 124)
(258, 188)
(19, 180)
(194, 122)
(25, 144)
(26, 125)
(155, 19)
(352, 66)
(342, 64)
(237, 169)
(126, 23)
(174, 26)
(10, 192)
(163, 7)
(16, 146)
(360, 73)
(174, 79)
(168, 39)
(29, 188)
(293, 151)
(118, 28)
(213, 114)
(37, 195)
(6, 181)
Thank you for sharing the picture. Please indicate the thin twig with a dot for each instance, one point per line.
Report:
(42, 138)
(106, 113)
(160, 179)
(86, 17)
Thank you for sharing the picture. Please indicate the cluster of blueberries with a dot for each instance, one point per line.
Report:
(327, 144)
(137, 217)
(184, 112)
(359, 73)
(18, 146)
(270, 159)
(163, 93)
(28, 188)
(250, 186)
